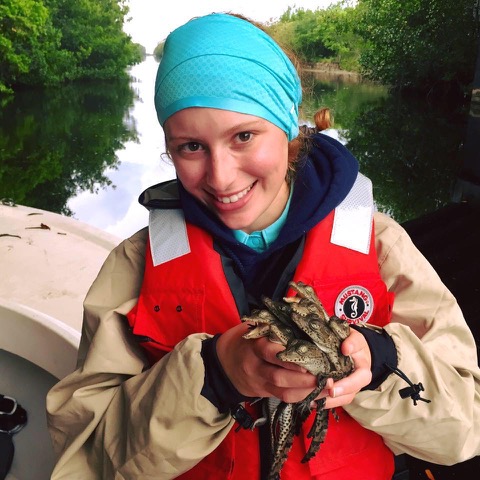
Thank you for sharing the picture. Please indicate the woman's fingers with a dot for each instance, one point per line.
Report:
(344, 390)
(254, 369)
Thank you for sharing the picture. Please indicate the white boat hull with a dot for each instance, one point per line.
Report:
(44, 276)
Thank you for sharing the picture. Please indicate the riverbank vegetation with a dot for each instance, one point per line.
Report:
(423, 45)
(49, 42)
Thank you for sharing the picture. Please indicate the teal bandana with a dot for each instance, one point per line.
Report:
(221, 61)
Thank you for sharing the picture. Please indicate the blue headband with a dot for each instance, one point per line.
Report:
(221, 61)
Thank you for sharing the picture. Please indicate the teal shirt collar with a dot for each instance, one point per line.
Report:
(261, 240)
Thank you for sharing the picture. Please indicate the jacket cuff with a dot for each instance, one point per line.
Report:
(383, 352)
(217, 387)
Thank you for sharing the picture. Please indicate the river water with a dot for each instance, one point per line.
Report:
(115, 208)
(89, 150)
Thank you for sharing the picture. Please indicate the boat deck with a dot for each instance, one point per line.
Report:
(49, 261)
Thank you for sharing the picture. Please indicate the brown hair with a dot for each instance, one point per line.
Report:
(323, 119)
(300, 145)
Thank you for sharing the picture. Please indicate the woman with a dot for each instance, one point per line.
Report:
(164, 370)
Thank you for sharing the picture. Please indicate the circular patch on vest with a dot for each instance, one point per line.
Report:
(354, 304)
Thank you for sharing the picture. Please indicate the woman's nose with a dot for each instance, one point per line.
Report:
(221, 170)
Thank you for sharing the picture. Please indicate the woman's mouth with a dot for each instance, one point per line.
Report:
(236, 197)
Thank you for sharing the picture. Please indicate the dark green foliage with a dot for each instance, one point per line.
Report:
(158, 52)
(424, 44)
(27, 37)
(48, 42)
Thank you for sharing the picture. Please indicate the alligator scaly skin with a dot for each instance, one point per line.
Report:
(311, 339)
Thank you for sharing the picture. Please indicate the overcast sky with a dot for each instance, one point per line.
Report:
(152, 20)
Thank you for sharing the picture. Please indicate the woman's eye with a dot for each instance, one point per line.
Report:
(245, 136)
(190, 147)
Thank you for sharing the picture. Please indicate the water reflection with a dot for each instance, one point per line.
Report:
(409, 148)
(410, 151)
(90, 150)
(140, 165)
(56, 143)
(343, 94)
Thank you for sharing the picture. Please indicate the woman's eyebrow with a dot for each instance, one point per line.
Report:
(242, 126)
(248, 125)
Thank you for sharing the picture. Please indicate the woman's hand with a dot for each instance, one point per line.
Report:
(255, 371)
(344, 391)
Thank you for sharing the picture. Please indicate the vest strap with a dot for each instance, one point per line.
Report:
(352, 226)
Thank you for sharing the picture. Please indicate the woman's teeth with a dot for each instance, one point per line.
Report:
(236, 197)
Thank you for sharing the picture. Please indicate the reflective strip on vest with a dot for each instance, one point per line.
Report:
(355, 214)
(168, 235)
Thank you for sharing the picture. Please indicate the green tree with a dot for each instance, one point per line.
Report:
(47, 42)
(27, 42)
(424, 44)
(309, 39)
(158, 51)
(92, 31)
(340, 35)
(320, 35)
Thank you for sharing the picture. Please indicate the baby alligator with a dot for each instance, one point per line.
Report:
(312, 339)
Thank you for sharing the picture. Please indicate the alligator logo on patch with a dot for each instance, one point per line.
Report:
(354, 304)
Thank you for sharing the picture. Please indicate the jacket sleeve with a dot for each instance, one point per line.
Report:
(435, 347)
(116, 418)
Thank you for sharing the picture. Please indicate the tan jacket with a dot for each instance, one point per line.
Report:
(115, 418)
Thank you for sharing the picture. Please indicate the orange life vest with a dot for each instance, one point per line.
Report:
(190, 294)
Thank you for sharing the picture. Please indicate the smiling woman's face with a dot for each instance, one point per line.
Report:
(233, 163)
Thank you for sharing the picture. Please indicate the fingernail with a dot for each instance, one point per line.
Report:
(335, 392)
